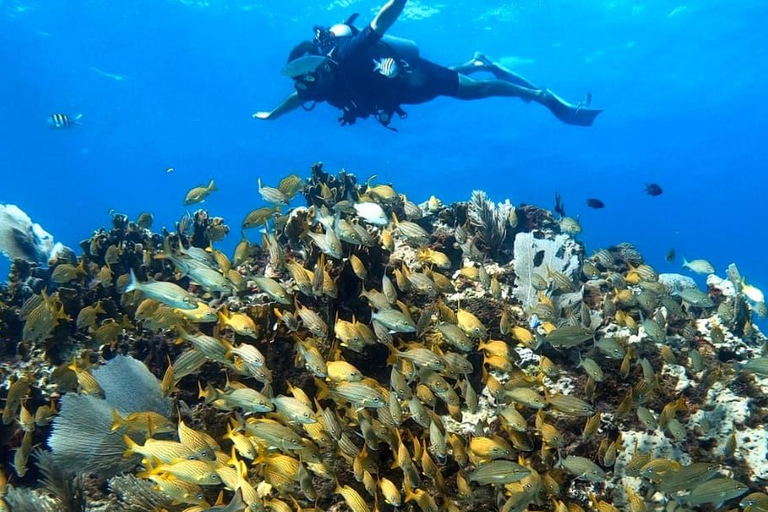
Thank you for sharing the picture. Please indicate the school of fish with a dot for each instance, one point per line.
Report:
(369, 352)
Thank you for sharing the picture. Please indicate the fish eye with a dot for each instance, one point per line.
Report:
(200, 496)
(204, 453)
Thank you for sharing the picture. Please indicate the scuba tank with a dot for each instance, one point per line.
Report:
(405, 48)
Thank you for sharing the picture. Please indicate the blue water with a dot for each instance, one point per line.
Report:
(173, 84)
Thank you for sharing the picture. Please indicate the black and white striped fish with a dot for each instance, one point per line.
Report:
(60, 121)
(387, 67)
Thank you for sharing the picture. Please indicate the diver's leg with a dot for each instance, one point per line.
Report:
(473, 65)
(499, 71)
(470, 89)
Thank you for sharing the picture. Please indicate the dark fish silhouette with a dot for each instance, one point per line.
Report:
(595, 203)
(559, 206)
(652, 189)
(670, 256)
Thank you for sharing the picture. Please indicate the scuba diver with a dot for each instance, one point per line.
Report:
(369, 73)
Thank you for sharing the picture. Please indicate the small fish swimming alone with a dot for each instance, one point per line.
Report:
(699, 266)
(752, 293)
(199, 193)
(653, 189)
(62, 121)
(386, 67)
(595, 203)
(670, 257)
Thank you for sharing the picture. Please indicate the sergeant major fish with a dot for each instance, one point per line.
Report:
(386, 67)
(63, 121)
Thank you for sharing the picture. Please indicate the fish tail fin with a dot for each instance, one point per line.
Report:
(203, 393)
(212, 186)
(117, 420)
(131, 446)
(393, 353)
(223, 319)
(685, 263)
(182, 333)
(322, 388)
(78, 119)
(133, 283)
(409, 495)
(233, 460)
(227, 345)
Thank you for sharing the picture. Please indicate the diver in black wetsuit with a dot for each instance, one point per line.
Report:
(368, 73)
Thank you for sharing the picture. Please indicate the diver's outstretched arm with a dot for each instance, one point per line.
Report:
(289, 104)
(387, 16)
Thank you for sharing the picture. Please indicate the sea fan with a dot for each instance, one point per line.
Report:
(129, 386)
(83, 439)
(489, 219)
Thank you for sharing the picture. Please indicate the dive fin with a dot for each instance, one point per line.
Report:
(576, 115)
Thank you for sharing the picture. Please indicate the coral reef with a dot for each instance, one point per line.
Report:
(375, 352)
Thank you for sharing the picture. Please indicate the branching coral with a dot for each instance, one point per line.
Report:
(489, 220)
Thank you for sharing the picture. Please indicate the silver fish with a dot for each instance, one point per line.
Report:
(273, 289)
(294, 409)
(169, 294)
(716, 491)
(272, 195)
(699, 266)
(696, 297)
(569, 336)
(358, 394)
(394, 320)
(570, 405)
(583, 469)
(412, 232)
(498, 472)
(688, 477)
(454, 335)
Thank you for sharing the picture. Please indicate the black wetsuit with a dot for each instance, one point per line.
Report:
(361, 90)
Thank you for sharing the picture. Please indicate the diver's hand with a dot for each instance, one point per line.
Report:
(264, 116)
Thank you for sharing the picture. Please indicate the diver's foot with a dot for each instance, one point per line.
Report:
(482, 59)
(482, 63)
